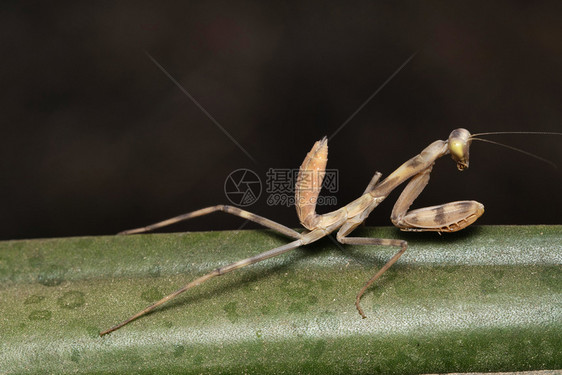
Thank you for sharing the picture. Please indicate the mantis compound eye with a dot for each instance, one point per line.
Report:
(459, 143)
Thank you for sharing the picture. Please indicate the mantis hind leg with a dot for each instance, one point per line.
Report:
(448, 217)
(222, 208)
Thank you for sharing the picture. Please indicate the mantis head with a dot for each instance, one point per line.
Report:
(459, 143)
(460, 139)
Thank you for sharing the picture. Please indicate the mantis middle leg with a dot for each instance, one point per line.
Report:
(449, 217)
(347, 228)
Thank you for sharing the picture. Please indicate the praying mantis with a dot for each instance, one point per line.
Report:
(448, 217)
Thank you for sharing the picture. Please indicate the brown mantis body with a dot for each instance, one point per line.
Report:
(448, 217)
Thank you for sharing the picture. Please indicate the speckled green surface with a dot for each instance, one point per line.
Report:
(485, 299)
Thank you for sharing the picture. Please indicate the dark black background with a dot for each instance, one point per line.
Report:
(96, 139)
